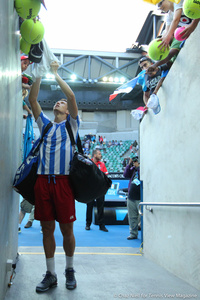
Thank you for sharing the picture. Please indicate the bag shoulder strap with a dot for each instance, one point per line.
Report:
(78, 144)
(47, 127)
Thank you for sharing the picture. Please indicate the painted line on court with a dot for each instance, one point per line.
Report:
(82, 253)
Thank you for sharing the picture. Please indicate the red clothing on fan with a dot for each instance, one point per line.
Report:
(101, 166)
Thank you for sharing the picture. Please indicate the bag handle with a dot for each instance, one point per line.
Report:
(47, 127)
(78, 144)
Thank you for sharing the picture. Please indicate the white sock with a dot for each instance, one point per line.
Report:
(50, 262)
(69, 261)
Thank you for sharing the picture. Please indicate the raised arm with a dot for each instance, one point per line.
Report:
(71, 100)
(35, 106)
(128, 172)
(167, 37)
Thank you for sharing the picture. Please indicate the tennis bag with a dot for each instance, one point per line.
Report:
(87, 180)
(26, 174)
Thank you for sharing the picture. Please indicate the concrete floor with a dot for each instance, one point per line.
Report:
(102, 273)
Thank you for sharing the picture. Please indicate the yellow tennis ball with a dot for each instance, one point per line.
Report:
(24, 46)
(191, 9)
(32, 32)
(156, 53)
(27, 9)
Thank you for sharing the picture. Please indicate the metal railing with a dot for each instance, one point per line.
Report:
(179, 204)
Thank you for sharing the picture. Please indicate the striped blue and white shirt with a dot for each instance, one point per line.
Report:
(56, 151)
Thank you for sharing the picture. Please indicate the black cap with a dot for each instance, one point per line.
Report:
(36, 52)
(144, 58)
(135, 159)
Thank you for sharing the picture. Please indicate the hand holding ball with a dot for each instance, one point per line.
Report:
(177, 34)
(32, 32)
(27, 9)
(156, 53)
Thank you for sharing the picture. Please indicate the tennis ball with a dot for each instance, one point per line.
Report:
(27, 9)
(156, 53)
(24, 46)
(177, 34)
(32, 32)
(191, 9)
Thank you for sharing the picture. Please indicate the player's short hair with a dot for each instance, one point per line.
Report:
(95, 152)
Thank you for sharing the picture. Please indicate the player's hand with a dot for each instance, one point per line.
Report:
(54, 67)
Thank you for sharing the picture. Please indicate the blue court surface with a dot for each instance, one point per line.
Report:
(116, 237)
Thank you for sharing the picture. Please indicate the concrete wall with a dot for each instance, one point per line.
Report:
(170, 168)
(10, 133)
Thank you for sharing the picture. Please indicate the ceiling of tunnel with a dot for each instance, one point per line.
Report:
(94, 75)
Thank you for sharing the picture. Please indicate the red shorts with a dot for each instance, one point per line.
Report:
(54, 199)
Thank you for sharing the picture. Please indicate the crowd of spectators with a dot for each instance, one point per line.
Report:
(100, 143)
(156, 72)
(115, 153)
